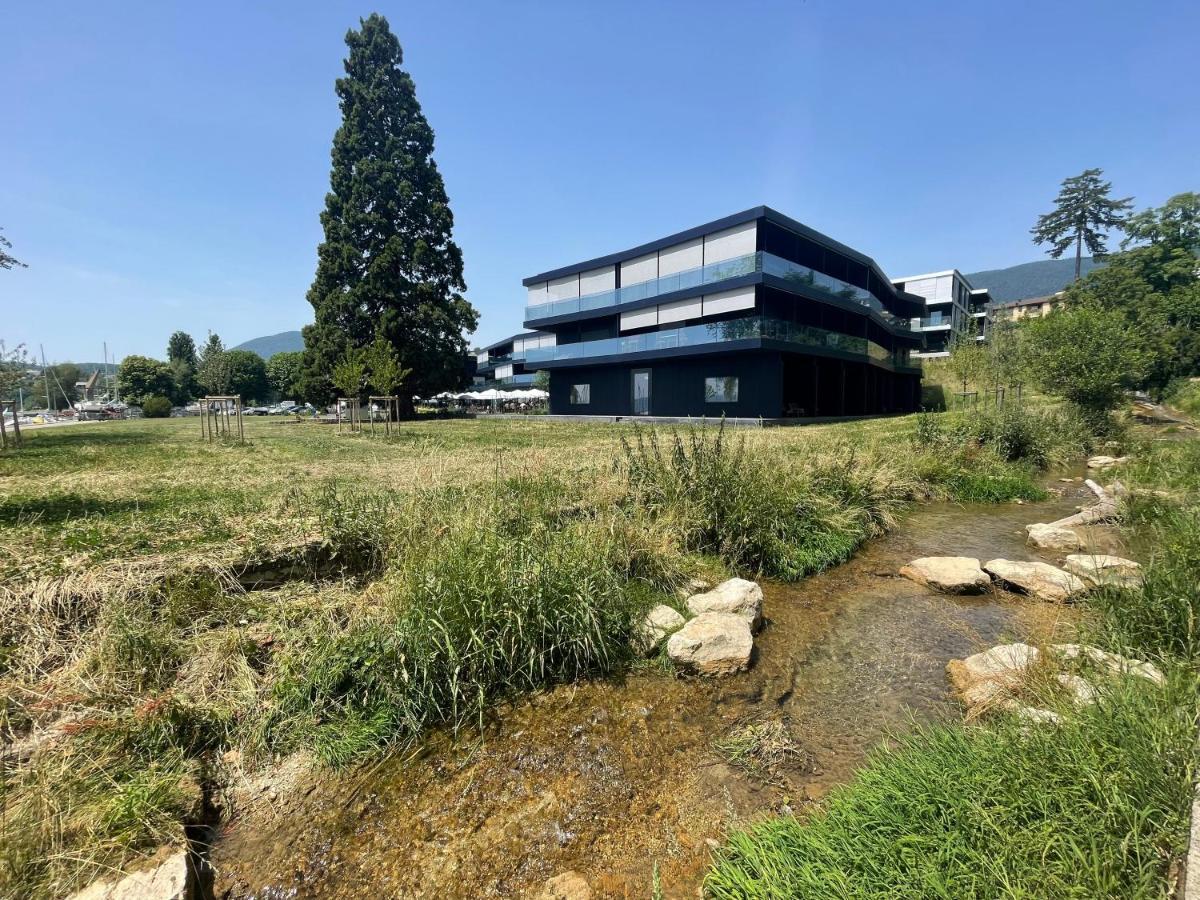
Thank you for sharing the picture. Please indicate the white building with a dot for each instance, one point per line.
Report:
(952, 307)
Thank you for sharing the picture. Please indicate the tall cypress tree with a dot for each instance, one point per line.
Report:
(388, 266)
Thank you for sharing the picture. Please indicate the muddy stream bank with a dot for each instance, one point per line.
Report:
(612, 778)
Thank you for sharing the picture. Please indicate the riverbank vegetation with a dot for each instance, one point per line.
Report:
(1098, 806)
(344, 594)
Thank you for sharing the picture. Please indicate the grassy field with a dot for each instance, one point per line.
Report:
(410, 583)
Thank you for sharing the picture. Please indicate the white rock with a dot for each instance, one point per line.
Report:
(1041, 580)
(1106, 462)
(988, 677)
(1081, 690)
(1034, 715)
(1052, 537)
(713, 643)
(950, 574)
(660, 622)
(736, 596)
(166, 879)
(1113, 662)
(1100, 568)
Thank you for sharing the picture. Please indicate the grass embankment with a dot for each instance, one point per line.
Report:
(1097, 807)
(462, 563)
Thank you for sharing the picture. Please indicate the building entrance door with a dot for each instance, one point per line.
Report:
(641, 392)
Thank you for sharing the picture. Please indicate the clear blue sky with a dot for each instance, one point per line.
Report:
(163, 164)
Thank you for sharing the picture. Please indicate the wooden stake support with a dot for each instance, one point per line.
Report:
(221, 419)
(5, 406)
(391, 407)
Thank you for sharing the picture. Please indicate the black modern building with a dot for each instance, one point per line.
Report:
(504, 361)
(754, 315)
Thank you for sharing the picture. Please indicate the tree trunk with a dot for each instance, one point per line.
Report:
(1078, 252)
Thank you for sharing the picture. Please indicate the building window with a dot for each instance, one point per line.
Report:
(581, 394)
(720, 390)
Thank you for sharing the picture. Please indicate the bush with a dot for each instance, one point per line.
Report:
(156, 407)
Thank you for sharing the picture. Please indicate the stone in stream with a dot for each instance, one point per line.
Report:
(566, 886)
(949, 574)
(736, 596)
(1106, 462)
(1038, 579)
(659, 623)
(713, 643)
(991, 677)
(1113, 663)
(1052, 537)
(1100, 568)
(165, 879)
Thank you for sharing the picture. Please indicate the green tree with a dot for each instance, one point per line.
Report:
(156, 407)
(140, 377)
(388, 265)
(1174, 224)
(13, 365)
(1087, 355)
(968, 360)
(541, 380)
(1083, 214)
(387, 373)
(181, 348)
(283, 373)
(350, 372)
(7, 260)
(247, 376)
(212, 373)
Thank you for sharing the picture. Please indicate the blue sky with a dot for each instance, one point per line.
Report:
(163, 164)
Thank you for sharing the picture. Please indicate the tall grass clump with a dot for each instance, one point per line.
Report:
(516, 594)
(1160, 618)
(758, 512)
(1096, 807)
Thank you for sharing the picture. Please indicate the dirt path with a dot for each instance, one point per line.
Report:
(612, 779)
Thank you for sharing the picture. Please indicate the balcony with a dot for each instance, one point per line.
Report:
(753, 327)
(712, 274)
(937, 320)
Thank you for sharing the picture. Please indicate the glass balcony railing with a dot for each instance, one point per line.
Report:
(711, 274)
(935, 320)
(719, 332)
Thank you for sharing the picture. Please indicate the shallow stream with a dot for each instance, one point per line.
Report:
(615, 778)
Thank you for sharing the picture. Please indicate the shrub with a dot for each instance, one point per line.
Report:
(157, 407)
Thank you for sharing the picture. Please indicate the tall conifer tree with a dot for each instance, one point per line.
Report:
(388, 266)
(1083, 214)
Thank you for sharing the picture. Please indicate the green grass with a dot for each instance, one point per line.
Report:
(1094, 808)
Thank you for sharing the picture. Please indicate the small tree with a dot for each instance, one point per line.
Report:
(13, 364)
(387, 374)
(968, 360)
(213, 373)
(350, 372)
(1083, 214)
(541, 380)
(1087, 355)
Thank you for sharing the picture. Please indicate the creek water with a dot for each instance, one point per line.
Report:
(615, 779)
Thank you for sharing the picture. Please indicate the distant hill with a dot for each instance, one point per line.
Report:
(268, 346)
(1034, 279)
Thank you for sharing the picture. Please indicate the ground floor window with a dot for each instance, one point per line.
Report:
(581, 394)
(720, 390)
